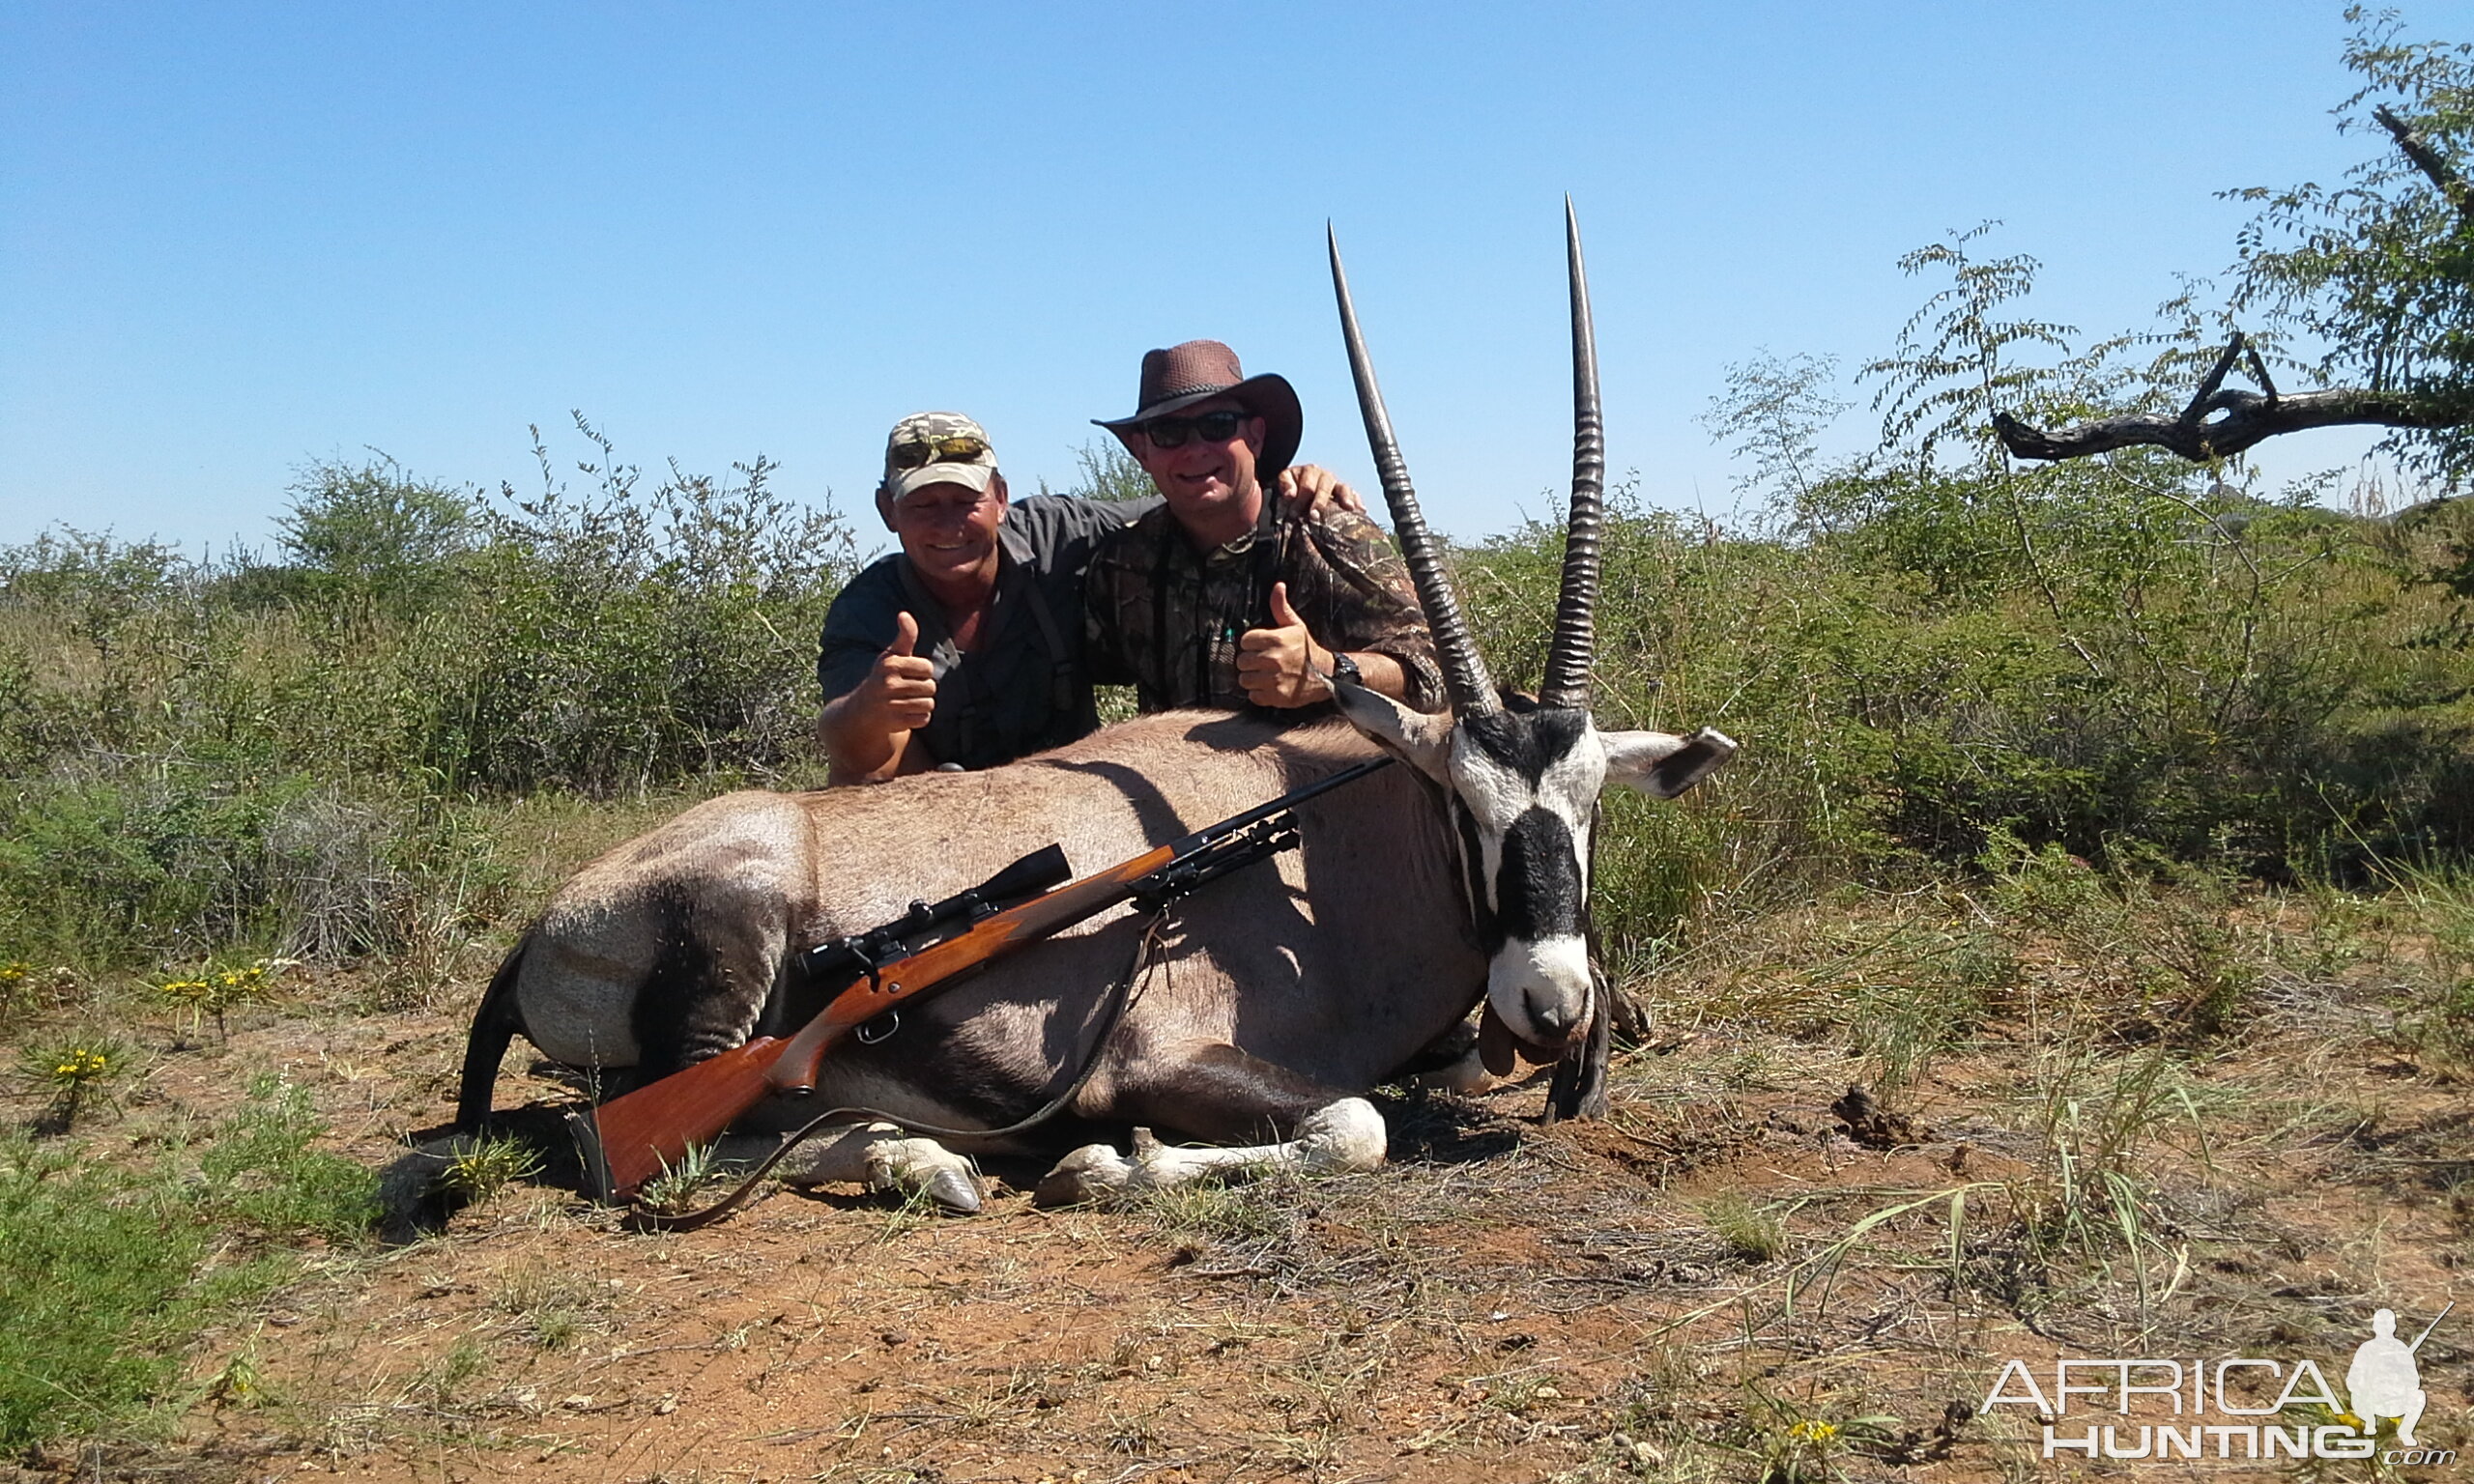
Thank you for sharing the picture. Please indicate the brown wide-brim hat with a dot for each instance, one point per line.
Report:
(1198, 370)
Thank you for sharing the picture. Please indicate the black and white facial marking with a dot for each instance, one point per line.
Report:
(1522, 787)
(1526, 785)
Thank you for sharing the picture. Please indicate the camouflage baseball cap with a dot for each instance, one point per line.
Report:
(928, 448)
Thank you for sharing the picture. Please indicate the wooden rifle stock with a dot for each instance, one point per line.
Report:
(628, 1141)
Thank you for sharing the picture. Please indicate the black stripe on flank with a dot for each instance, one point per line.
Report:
(681, 970)
(1537, 888)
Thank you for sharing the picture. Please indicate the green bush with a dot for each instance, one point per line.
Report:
(373, 533)
(633, 634)
(280, 757)
(2177, 675)
(100, 871)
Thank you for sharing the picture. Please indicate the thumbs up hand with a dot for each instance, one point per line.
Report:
(899, 693)
(1282, 666)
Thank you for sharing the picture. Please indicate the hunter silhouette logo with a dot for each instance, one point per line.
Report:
(2383, 1382)
(2166, 1405)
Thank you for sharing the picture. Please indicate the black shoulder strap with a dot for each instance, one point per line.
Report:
(1159, 660)
(1271, 559)
(1059, 664)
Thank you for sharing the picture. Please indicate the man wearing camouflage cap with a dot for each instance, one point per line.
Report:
(1220, 597)
(964, 648)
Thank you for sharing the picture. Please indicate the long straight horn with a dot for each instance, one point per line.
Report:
(1567, 658)
(1464, 673)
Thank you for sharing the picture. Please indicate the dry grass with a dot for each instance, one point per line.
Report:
(1716, 1283)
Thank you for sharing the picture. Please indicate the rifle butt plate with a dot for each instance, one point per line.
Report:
(596, 1168)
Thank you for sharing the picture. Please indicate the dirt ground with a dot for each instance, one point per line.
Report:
(1718, 1282)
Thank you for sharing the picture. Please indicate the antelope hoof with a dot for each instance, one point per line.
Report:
(915, 1167)
(1095, 1172)
(954, 1191)
(1344, 1137)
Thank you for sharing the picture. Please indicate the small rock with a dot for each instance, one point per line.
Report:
(1875, 1126)
(576, 1403)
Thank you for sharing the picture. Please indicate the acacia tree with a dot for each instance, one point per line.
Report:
(2379, 271)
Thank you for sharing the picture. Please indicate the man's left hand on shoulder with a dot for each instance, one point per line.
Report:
(1309, 489)
(1282, 666)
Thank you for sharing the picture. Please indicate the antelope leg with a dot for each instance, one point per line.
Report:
(885, 1158)
(1344, 1136)
(1221, 1092)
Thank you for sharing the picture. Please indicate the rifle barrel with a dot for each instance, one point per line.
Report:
(1285, 802)
(2428, 1329)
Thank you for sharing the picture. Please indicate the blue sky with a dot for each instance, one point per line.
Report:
(234, 239)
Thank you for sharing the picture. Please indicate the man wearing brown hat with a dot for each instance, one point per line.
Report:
(1222, 598)
(964, 649)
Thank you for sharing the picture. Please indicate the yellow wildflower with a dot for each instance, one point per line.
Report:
(1813, 1430)
(82, 1064)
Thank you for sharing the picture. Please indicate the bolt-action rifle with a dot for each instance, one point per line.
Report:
(629, 1140)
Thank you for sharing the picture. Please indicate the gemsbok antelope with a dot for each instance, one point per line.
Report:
(1268, 1004)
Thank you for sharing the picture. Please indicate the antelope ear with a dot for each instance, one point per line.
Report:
(1661, 763)
(1423, 740)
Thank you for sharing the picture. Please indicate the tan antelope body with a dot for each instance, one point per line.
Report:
(1278, 996)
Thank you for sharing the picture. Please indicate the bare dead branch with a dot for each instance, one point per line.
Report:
(2248, 417)
(2214, 379)
(2430, 161)
(2260, 372)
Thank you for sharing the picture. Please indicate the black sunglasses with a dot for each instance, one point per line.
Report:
(1215, 427)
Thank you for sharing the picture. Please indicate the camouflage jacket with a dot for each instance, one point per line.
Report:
(1166, 618)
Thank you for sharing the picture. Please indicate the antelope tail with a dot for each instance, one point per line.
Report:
(495, 1025)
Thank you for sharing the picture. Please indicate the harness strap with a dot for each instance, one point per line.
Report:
(1061, 686)
(1159, 564)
